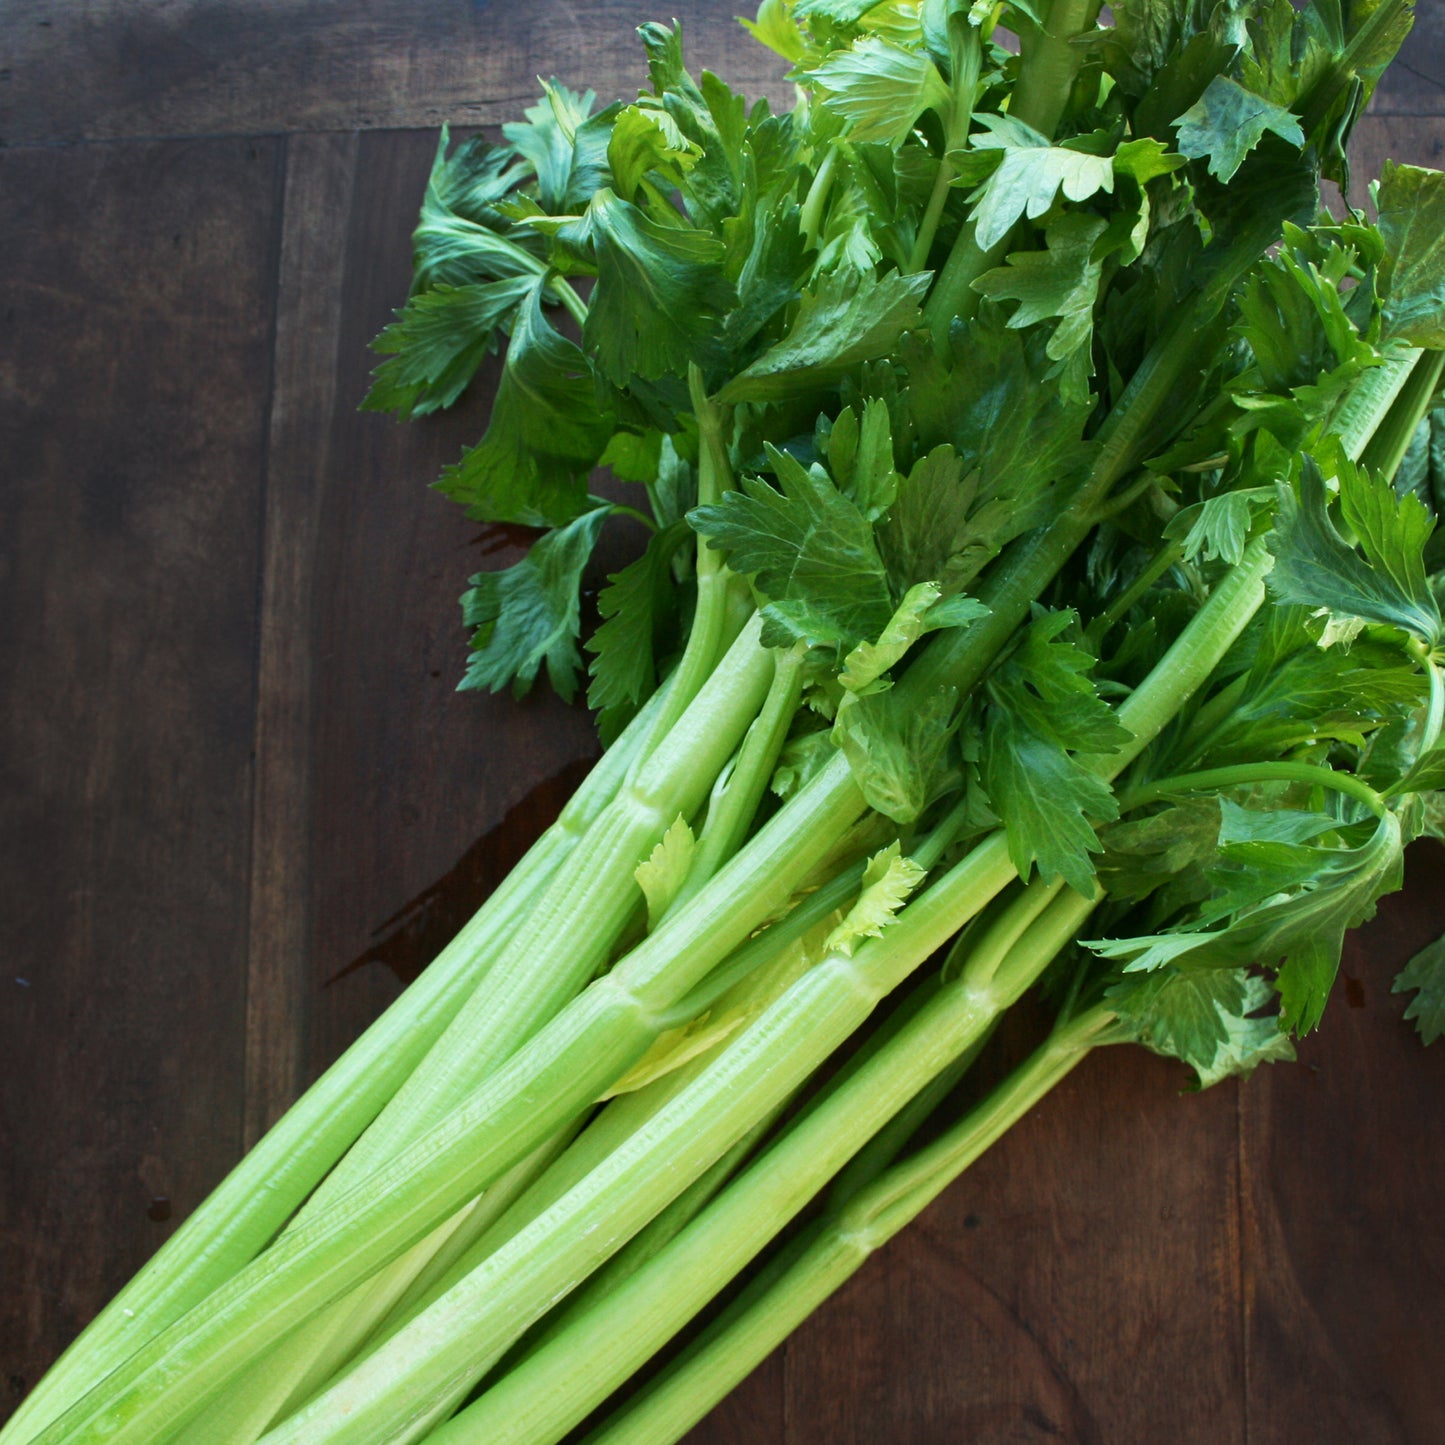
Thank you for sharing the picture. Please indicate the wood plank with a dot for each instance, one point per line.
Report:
(409, 773)
(319, 174)
(187, 67)
(163, 68)
(1079, 1283)
(411, 795)
(1344, 1171)
(1415, 83)
(134, 366)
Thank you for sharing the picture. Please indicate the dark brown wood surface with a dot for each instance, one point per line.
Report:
(243, 801)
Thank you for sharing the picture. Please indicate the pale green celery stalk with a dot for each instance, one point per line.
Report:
(810, 219)
(1049, 63)
(664, 1409)
(648, 1242)
(1391, 440)
(438, 1083)
(255, 1200)
(458, 1338)
(1245, 774)
(553, 1390)
(610, 1326)
(992, 975)
(734, 804)
(300, 1364)
(714, 616)
(756, 987)
(562, 939)
(569, 930)
(552, 1078)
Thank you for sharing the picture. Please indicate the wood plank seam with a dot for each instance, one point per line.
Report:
(319, 174)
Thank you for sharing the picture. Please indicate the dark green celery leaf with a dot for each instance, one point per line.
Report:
(1221, 526)
(769, 274)
(880, 88)
(546, 433)
(437, 343)
(1427, 775)
(1043, 706)
(566, 144)
(710, 116)
(847, 318)
(460, 234)
(1227, 122)
(1047, 685)
(633, 456)
(930, 533)
(474, 178)
(1330, 65)
(1294, 317)
(860, 458)
(528, 614)
(776, 28)
(1018, 439)
(1316, 567)
(1279, 905)
(1062, 281)
(1149, 35)
(636, 607)
(1166, 850)
(898, 748)
(660, 294)
(840, 12)
(1412, 221)
(674, 493)
(1290, 51)
(921, 611)
(1423, 472)
(1210, 1021)
(1048, 802)
(1316, 894)
(1027, 177)
(811, 551)
(1315, 694)
(1426, 973)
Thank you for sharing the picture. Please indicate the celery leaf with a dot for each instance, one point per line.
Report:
(546, 433)
(1227, 122)
(528, 614)
(636, 606)
(845, 319)
(811, 551)
(660, 295)
(437, 343)
(1425, 974)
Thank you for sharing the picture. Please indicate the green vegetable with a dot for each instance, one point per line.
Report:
(1036, 508)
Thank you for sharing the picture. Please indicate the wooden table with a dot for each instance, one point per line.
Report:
(243, 801)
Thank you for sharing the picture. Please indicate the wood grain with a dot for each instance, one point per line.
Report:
(409, 773)
(1346, 1260)
(1099, 1242)
(1414, 85)
(208, 553)
(134, 375)
(320, 171)
(197, 67)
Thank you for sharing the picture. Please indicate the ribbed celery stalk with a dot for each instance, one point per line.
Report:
(256, 1199)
